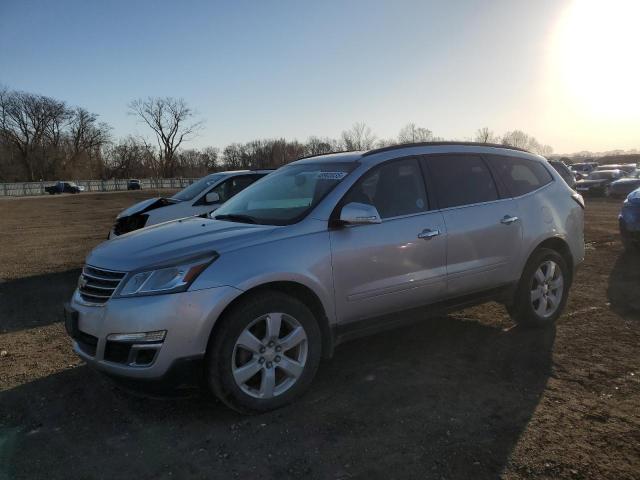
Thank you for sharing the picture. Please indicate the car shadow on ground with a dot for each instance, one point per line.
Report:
(448, 397)
(623, 290)
(35, 301)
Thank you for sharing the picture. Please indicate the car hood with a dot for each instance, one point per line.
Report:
(173, 240)
(146, 205)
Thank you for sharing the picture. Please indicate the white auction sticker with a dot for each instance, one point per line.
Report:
(331, 175)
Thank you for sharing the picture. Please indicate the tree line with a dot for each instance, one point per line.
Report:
(42, 138)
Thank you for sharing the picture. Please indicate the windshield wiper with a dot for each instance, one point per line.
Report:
(236, 217)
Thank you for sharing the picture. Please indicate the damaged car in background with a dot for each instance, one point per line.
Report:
(202, 196)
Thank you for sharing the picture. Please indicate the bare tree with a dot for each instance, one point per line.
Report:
(386, 142)
(86, 137)
(411, 133)
(30, 123)
(359, 137)
(516, 138)
(484, 135)
(318, 146)
(172, 122)
(519, 139)
(545, 150)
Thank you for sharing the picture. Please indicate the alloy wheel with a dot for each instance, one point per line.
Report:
(547, 288)
(270, 355)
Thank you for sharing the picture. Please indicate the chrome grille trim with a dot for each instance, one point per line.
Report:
(96, 285)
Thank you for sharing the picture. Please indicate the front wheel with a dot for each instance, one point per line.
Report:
(542, 291)
(264, 354)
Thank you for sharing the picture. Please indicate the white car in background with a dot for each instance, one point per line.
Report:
(202, 196)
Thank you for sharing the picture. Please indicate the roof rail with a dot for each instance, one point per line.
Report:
(435, 144)
(326, 153)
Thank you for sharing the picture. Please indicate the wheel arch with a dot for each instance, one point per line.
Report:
(296, 290)
(560, 245)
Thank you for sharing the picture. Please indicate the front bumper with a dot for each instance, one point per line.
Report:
(188, 318)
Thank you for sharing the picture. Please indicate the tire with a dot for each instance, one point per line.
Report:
(267, 357)
(533, 313)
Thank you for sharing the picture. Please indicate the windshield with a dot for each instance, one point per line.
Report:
(603, 175)
(286, 195)
(196, 188)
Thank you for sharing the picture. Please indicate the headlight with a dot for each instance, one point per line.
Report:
(165, 278)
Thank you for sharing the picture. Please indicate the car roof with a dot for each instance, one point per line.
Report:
(239, 172)
(417, 149)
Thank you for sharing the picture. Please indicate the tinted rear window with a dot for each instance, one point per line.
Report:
(520, 175)
(461, 180)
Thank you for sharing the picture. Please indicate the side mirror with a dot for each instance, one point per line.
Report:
(212, 197)
(359, 214)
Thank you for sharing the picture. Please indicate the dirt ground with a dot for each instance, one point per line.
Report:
(462, 396)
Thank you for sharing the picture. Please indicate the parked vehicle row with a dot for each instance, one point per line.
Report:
(598, 182)
(322, 250)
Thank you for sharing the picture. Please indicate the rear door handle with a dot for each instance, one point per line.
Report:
(507, 220)
(428, 234)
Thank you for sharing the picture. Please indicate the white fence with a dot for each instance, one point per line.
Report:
(37, 188)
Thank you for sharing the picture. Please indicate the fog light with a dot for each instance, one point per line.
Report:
(157, 336)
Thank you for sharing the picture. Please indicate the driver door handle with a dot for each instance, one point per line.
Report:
(507, 220)
(428, 234)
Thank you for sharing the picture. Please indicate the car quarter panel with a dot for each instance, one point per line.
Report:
(550, 212)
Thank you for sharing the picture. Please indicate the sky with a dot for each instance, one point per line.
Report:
(566, 72)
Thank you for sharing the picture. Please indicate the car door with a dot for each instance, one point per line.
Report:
(398, 263)
(484, 233)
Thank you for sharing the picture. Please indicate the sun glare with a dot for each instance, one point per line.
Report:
(597, 54)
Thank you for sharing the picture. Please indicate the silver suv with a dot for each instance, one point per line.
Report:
(322, 250)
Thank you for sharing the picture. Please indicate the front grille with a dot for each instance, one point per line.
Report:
(129, 224)
(97, 285)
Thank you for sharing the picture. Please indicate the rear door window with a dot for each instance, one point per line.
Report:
(461, 180)
(520, 175)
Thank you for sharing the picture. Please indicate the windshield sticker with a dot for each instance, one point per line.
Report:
(331, 175)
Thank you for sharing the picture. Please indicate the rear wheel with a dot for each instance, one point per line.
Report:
(264, 354)
(542, 291)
